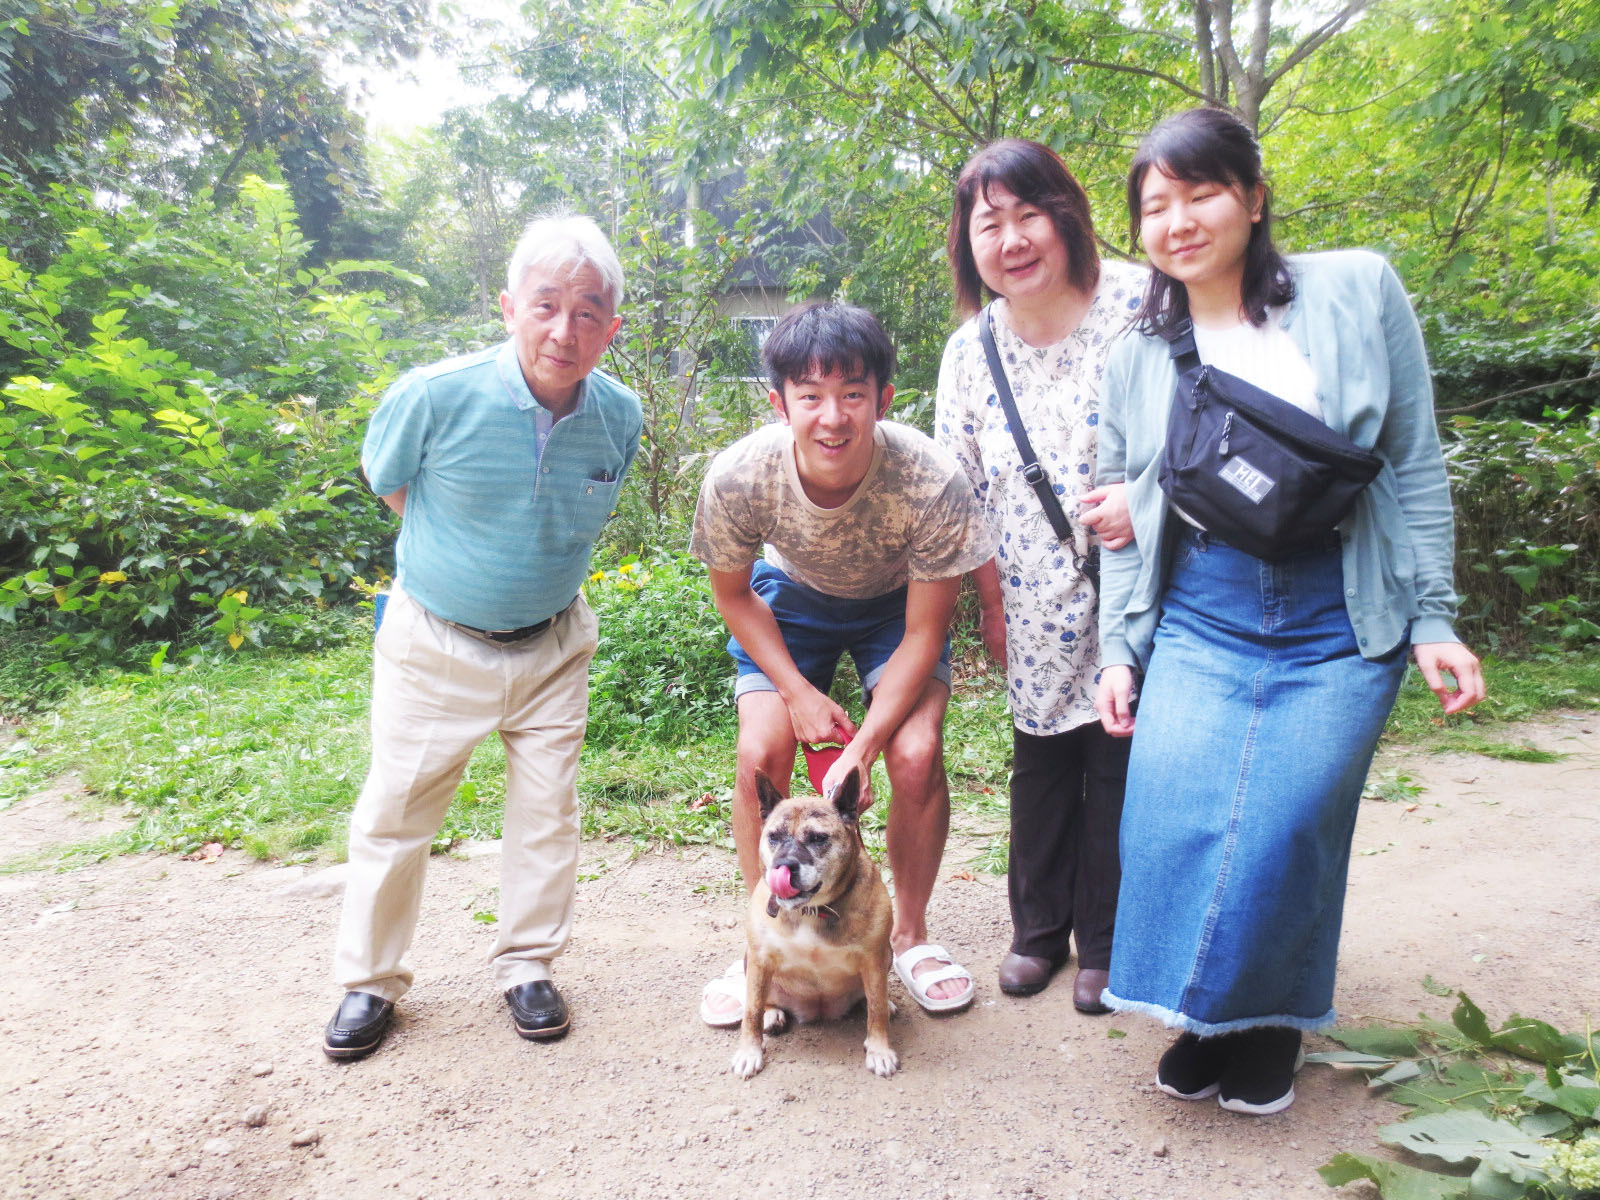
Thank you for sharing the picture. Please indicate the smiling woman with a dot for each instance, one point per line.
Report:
(1265, 682)
(1020, 234)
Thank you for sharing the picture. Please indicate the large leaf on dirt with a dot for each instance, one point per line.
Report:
(1468, 1084)
(1395, 1181)
(1468, 1135)
(1378, 1040)
(1531, 1039)
(1351, 1060)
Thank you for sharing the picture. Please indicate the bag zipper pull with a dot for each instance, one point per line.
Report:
(1200, 382)
(1222, 446)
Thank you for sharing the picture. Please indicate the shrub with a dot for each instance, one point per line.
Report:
(150, 496)
(1527, 500)
(661, 672)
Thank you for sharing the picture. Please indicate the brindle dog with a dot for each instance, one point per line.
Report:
(817, 928)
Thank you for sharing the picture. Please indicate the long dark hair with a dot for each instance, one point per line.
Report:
(1035, 175)
(1208, 145)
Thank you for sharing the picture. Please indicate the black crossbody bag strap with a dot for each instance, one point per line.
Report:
(1180, 344)
(1032, 472)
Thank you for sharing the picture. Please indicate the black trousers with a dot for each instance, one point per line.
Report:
(1066, 810)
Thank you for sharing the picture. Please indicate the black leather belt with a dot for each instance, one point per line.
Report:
(504, 636)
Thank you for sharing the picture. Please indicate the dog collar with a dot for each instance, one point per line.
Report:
(815, 910)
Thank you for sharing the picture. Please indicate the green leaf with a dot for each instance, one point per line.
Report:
(1531, 1039)
(1396, 1181)
(1380, 1040)
(1574, 1094)
(1350, 1059)
(1469, 1019)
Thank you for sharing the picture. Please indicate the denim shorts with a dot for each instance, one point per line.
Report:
(1257, 722)
(818, 628)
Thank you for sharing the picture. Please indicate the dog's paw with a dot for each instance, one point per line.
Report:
(774, 1020)
(747, 1060)
(881, 1060)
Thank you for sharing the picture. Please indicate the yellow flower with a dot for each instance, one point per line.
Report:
(627, 568)
(597, 577)
(113, 577)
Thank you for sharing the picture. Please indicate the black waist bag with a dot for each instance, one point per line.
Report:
(1259, 473)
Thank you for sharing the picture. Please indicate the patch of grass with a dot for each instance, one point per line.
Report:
(262, 746)
(1517, 690)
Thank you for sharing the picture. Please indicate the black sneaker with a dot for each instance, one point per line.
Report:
(1259, 1078)
(1192, 1067)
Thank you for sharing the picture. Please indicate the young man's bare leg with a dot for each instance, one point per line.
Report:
(766, 744)
(919, 821)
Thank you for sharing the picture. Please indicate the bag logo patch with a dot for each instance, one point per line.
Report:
(1253, 483)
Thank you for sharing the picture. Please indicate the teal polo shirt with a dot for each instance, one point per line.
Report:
(503, 505)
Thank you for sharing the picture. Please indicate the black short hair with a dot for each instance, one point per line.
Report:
(1034, 174)
(823, 336)
(1209, 145)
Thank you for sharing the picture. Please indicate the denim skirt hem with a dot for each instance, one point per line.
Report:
(1188, 1024)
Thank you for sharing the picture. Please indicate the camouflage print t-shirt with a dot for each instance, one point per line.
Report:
(914, 516)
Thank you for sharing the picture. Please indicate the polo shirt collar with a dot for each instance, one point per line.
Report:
(516, 385)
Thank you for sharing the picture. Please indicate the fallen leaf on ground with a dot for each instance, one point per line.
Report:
(208, 853)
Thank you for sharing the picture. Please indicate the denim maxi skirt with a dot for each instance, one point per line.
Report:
(1257, 722)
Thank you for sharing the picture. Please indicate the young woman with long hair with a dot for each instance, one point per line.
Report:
(1265, 684)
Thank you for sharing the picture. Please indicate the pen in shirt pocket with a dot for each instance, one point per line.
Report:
(604, 476)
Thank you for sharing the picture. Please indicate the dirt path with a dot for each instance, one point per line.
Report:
(151, 1007)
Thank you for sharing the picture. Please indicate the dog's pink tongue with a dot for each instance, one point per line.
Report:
(778, 881)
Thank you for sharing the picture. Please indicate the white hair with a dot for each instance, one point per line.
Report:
(564, 240)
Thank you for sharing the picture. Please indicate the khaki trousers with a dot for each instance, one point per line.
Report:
(436, 694)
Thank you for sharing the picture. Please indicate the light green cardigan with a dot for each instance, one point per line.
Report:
(1351, 319)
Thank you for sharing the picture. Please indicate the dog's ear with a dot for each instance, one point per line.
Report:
(847, 797)
(766, 795)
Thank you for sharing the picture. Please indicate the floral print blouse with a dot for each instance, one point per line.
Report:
(1049, 586)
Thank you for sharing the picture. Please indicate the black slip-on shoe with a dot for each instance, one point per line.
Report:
(1192, 1067)
(358, 1027)
(538, 1011)
(1259, 1077)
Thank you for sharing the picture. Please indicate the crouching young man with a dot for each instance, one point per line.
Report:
(868, 527)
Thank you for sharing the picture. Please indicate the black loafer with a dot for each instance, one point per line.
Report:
(538, 1011)
(358, 1027)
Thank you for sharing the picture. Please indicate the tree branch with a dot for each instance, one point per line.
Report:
(1312, 40)
(1538, 387)
(1129, 69)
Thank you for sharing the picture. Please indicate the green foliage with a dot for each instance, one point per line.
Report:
(661, 673)
(1527, 502)
(1515, 1106)
(150, 496)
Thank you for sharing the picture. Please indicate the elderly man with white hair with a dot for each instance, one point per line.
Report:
(503, 466)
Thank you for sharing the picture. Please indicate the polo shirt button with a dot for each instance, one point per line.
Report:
(1363, 641)
(1349, 591)
(544, 470)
